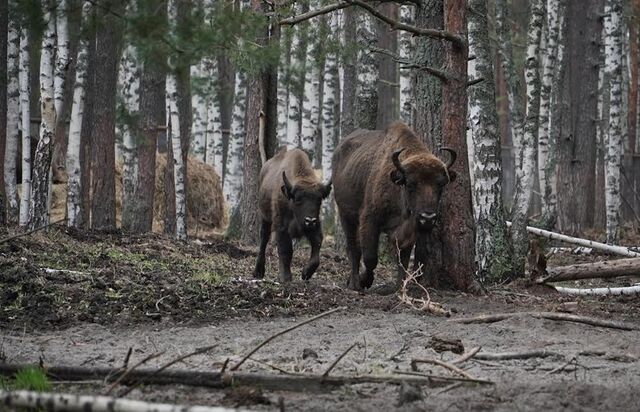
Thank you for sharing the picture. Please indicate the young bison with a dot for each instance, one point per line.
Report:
(386, 182)
(289, 199)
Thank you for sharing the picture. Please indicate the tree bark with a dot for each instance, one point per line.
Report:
(296, 83)
(366, 104)
(103, 137)
(13, 116)
(38, 214)
(61, 71)
(602, 270)
(528, 144)
(632, 101)
(73, 165)
(311, 99)
(25, 126)
(388, 69)
(613, 62)
(350, 74)
(577, 139)
(4, 20)
(457, 225)
(214, 145)
(199, 120)
(406, 51)
(283, 84)
(493, 251)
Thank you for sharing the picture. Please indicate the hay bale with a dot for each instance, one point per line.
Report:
(205, 202)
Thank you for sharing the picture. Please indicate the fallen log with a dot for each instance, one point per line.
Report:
(618, 250)
(497, 317)
(627, 290)
(81, 403)
(605, 269)
(217, 380)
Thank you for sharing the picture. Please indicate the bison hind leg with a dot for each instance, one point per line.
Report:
(265, 234)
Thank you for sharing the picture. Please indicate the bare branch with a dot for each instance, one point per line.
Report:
(439, 73)
(313, 13)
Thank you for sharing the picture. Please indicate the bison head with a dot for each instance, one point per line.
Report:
(305, 201)
(423, 178)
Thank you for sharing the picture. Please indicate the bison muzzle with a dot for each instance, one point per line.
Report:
(386, 182)
(290, 196)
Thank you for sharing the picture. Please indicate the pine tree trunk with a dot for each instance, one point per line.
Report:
(311, 99)
(13, 118)
(330, 112)
(368, 74)
(103, 193)
(4, 17)
(130, 73)
(493, 253)
(406, 51)
(613, 64)
(74, 183)
(296, 83)
(38, 214)
(199, 105)
(213, 138)
(86, 133)
(457, 224)
(174, 128)
(25, 112)
(527, 146)
(350, 73)
(387, 38)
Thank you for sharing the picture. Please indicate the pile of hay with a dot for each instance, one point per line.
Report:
(205, 201)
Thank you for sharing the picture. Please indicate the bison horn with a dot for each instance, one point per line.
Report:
(453, 154)
(396, 161)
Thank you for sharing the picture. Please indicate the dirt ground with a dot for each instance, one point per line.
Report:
(84, 299)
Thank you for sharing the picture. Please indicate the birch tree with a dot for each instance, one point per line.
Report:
(552, 60)
(199, 111)
(74, 171)
(13, 116)
(173, 125)
(613, 64)
(130, 84)
(367, 85)
(62, 54)
(25, 112)
(283, 85)
(296, 80)
(527, 145)
(405, 51)
(38, 214)
(233, 175)
(213, 132)
(311, 100)
(491, 242)
(330, 107)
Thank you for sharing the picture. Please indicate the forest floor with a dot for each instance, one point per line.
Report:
(83, 299)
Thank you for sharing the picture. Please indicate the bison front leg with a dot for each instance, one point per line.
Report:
(315, 240)
(285, 253)
(369, 238)
(265, 233)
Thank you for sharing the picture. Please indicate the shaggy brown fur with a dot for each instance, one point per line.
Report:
(370, 203)
(291, 210)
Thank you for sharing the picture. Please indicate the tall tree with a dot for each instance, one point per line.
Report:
(213, 132)
(311, 98)
(296, 83)
(528, 145)
(59, 86)
(38, 214)
(388, 106)
(25, 113)
(74, 167)
(13, 116)
(108, 35)
(199, 105)
(4, 17)
(349, 73)
(368, 74)
(405, 51)
(613, 63)
(493, 253)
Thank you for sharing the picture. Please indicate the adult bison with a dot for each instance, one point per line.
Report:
(289, 199)
(386, 182)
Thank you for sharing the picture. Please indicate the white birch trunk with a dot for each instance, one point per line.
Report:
(613, 65)
(130, 84)
(311, 101)
(74, 184)
(38, 214)
(405, 51)
(296, 80)
(199, 111)
(62, 54)
(233, 176)
(367, 86)
(25, 111)
(213, 133)
(173, 120)
(330, 107)
(283, 86)
(13, 120)
(527, 147)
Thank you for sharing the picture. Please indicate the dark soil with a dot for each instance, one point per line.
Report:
(84, 298)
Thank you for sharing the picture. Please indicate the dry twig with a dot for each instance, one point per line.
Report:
(338, 359)
(496, 317)
(445, 378)
(466, 356)
(455, 369)
(516, 355)
(128, 371)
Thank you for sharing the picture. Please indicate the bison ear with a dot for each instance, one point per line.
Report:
(452, 175)
(286, 188)
(397, 177)
(325, 190)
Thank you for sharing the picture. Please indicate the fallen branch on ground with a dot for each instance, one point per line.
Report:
(272, 337)
(466, 356)
(81, 403)
(551, 316)
(128, 371)
(627, 290)
(618, 250)
(445, 378)
(294, 382)
(606, 269)
(423, 304)
(516, 355)
(333, 365)
(452, 368)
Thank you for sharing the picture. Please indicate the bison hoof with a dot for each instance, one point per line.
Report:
(258, 274)
(354, 284)
(306, 275)
(366, 281)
